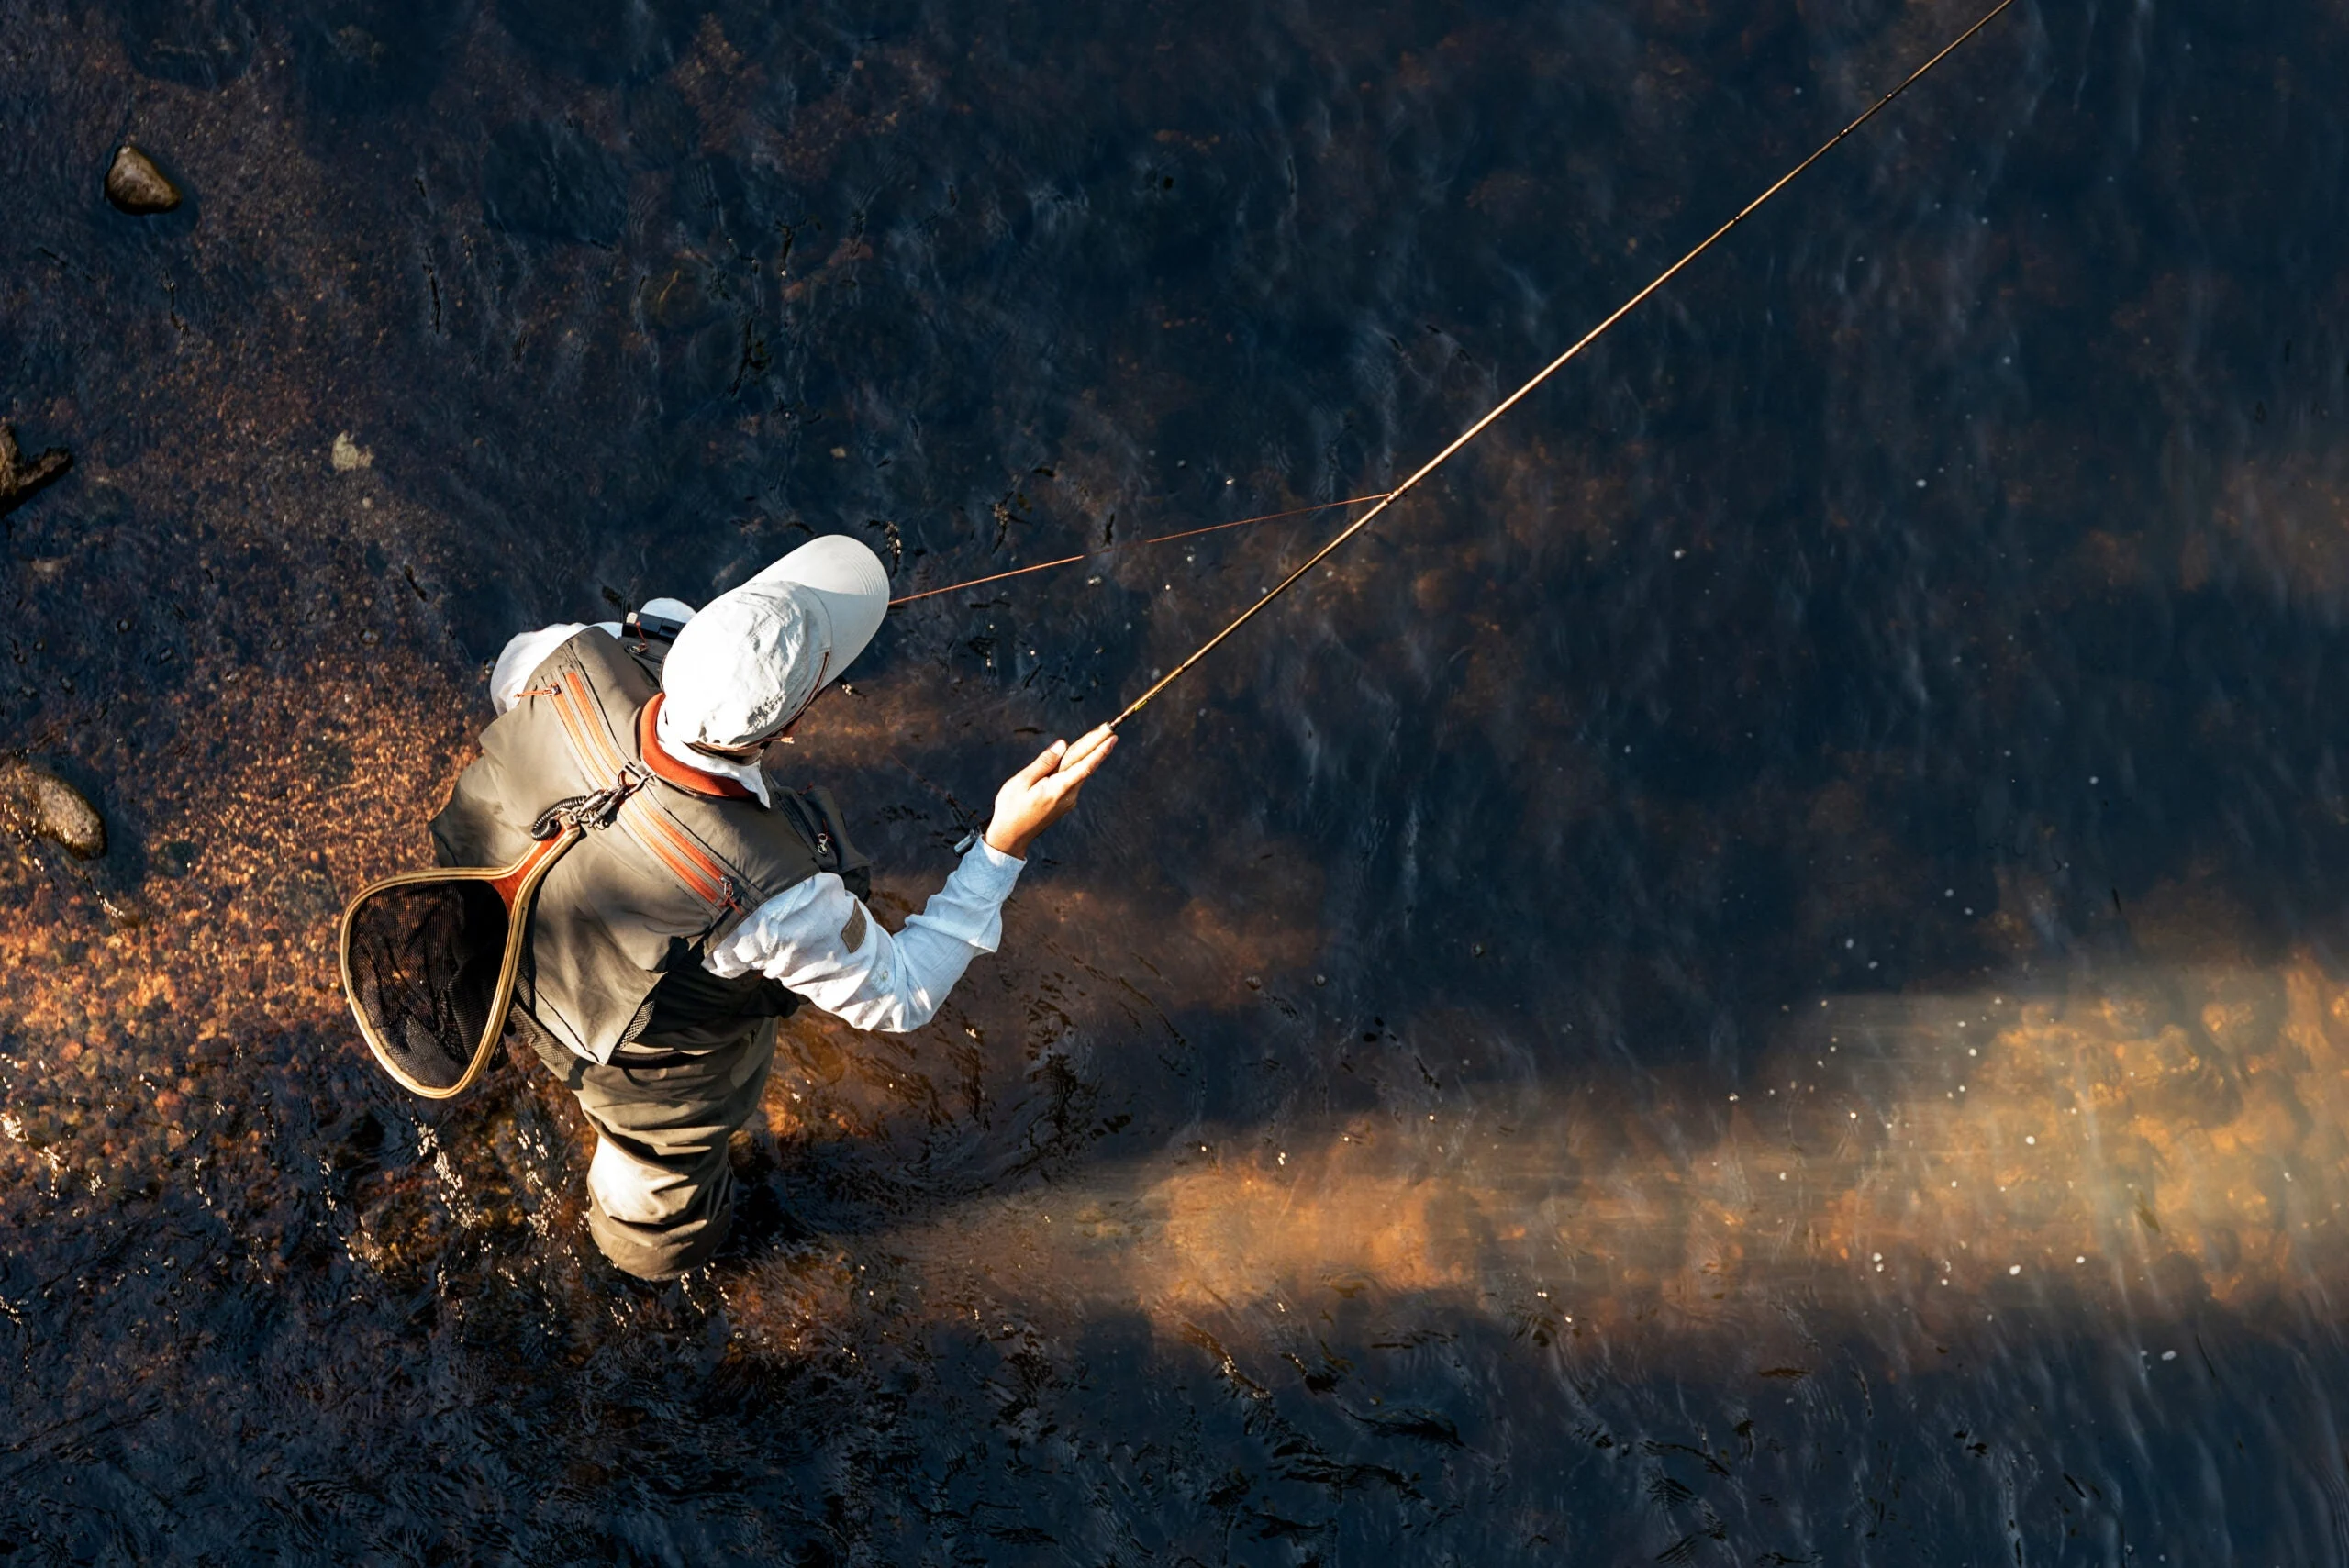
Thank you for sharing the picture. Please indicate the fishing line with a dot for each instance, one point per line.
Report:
(1134, 544)
(1473, 431)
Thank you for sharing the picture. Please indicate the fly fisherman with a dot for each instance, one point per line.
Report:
(664, 946)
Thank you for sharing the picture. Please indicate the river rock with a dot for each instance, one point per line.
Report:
(137, 186)
(18, 478)
(36, 802)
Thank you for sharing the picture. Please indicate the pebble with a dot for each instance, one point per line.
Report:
(36, 802)
(137, 186)
(18, 478)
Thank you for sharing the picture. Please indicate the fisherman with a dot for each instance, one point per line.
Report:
(666, 945)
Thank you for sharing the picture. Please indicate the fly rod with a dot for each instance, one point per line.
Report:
(1511, 401)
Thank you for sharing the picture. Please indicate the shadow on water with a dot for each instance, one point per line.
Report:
(1753, 977)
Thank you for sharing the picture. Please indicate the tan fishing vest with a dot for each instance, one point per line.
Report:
(642, 900)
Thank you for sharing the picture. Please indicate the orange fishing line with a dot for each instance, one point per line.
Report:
(1130, 544)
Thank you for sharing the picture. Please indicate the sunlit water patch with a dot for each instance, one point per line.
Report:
(2135, 1144)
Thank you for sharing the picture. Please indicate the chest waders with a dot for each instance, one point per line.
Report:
(593, 912)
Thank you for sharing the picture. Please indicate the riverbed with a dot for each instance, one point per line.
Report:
(1753, 974)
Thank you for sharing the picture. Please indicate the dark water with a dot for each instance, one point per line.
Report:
(1755, 977)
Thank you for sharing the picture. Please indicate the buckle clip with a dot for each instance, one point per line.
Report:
(598, 810)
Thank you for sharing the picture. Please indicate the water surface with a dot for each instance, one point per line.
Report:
(1755, 976)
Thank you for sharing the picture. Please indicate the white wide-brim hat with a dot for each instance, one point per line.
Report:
(743, 667)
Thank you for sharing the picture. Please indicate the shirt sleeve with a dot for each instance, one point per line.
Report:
(817, 940)
(525, 651)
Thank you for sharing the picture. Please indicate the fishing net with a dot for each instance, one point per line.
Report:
(425, 963)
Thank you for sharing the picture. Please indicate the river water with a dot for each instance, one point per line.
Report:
(1754, 975)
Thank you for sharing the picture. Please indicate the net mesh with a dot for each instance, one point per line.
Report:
(423, 969)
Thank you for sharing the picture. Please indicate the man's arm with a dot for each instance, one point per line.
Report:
(525, 651)
(819, 940)
(823, 944)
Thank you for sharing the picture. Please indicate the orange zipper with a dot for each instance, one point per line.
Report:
(594, 743)
(679, 854)
(669, 843)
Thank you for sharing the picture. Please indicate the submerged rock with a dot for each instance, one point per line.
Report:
(18, 478)
(136, 185)
(37, 803)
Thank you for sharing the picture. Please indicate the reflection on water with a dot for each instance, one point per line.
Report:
(2159, 1128)
(1752, 977)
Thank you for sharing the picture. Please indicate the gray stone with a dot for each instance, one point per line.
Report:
(136, 185)
(37, 804)
(18, 478)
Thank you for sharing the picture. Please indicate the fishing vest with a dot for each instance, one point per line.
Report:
(623, 920)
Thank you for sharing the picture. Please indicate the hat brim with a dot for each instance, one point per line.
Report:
(849, 581)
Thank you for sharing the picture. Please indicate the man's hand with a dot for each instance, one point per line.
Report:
(1045, 791)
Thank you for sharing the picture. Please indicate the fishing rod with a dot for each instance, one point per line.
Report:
(1511, 401)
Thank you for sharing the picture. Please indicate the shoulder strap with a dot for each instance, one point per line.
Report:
(817, 817)
(581, 702)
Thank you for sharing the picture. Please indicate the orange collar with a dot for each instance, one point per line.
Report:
(669, 770)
